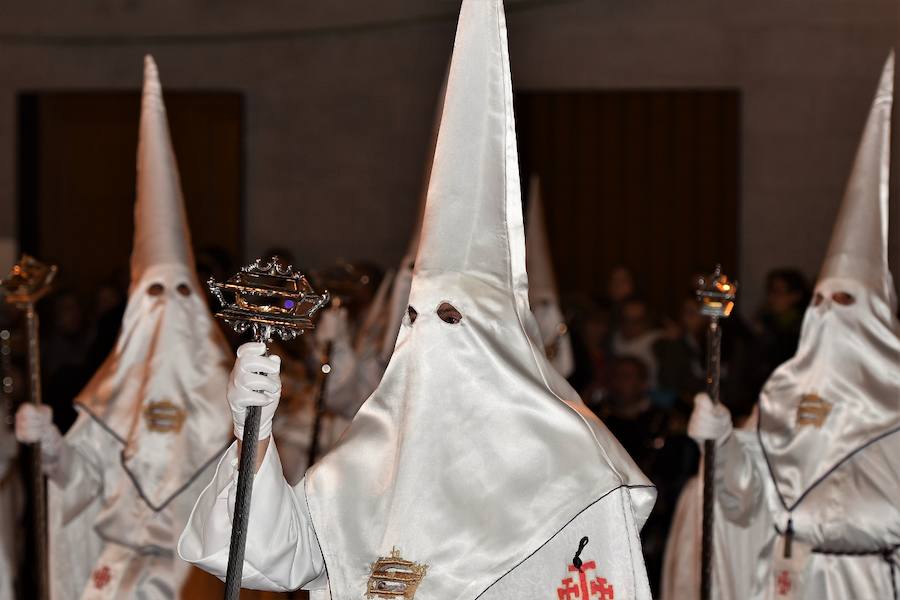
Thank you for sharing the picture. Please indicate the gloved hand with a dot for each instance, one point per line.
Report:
(255, 381)
(709, 421)
(34, 425)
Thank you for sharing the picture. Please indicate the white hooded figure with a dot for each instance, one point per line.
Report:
(821, 477)
(542, 291)
(150, 425)
(740, 546)
(474, 470)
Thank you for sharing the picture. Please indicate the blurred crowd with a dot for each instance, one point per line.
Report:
(637, 366)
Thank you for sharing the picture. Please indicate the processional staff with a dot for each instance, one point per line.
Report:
(270, 299)
(716, 295)
(28, 282)
(346, 284)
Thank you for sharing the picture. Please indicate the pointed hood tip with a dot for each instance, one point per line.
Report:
(475, 160)
(161, 235)
(858, 249)
(151, 71)
(886, 83)
(152, 90)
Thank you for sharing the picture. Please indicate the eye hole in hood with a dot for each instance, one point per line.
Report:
(843, 298)
(448, 313)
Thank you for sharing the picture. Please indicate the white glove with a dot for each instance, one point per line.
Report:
(255, 381)
(709, 421)
(332, 326)
(34, 425)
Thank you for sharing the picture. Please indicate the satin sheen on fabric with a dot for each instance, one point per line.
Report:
(473, 455)
(151, 422)
(736, 546)
(824, 463)
(848, 355)
(473, 451)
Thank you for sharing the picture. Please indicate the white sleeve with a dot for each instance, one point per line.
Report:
(739, 485)
(82, 459)
(282, 552)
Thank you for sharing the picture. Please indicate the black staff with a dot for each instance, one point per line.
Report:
(270, 299)
(716, 295)
(28, 282)
(319, 407)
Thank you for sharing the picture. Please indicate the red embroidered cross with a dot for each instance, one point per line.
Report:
(102, 577)
(783, 583)
(586, 588)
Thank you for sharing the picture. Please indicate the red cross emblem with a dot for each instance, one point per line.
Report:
(585, 589)
(783, 583)
(102, 577)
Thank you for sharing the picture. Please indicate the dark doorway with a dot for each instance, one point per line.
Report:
(645, 179)
(77, 176)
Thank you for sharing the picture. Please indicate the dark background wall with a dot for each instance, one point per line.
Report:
(339, 97)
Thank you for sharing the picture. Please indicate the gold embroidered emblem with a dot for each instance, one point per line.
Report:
(395, 577)
(812, 410)
(164, 417)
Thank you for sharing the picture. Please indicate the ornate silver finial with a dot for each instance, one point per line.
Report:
(29, 280)
(716, 294)
(270, 298)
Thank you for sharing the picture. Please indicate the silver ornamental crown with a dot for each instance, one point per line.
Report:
(716, 294)
(270, 298)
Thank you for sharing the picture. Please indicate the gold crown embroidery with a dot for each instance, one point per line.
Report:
(164, 417)
(813, 410)
(395, 577)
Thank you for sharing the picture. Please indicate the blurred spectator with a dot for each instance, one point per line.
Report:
(681, 355)
(666, 456)
(619, 288)
(215, 262)
(589, 344)
(66, 341)
(636, 335)
(109, 308)
(778, 323)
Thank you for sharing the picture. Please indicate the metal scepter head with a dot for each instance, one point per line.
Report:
(270, 298)
(29, 280)
(716, 294)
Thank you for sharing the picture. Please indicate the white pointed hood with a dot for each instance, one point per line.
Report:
(859, 242)
(160, 391)
(473, 452)
(161, 235)
(399, 297)
(841, 390)
(542, 290)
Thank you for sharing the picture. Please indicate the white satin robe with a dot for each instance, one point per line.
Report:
(100, 551)
(851, 520)
(283, 552)
(735, 547)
